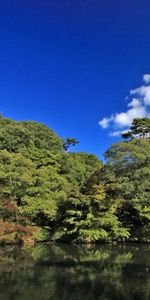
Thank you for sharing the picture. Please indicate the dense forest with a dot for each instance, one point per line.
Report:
(50, 194)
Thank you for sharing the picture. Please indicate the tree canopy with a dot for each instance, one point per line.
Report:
(48, 194)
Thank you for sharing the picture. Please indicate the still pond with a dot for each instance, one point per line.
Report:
(70, 272)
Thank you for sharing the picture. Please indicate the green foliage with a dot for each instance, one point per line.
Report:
(47, 193)
(20, 136)
(88, 219)
(77, 168)
(128, 167)
(139, 128)
(69, 142)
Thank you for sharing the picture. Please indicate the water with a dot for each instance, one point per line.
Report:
(64, 272)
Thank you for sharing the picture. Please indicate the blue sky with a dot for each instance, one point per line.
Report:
(70, 64)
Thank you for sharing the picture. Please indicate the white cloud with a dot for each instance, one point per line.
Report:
(137, 108)
(143, 92)
(125, 119)
(117, 133)
(134, 103)
(146, 78)
(105, 122)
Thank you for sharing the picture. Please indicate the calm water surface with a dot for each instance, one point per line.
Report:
(64, 272)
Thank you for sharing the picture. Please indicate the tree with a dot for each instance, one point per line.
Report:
(88, 219)
(140, 128)
(79, 167)
(69, 142)
(48, 193)
(37, 176)
(128, 169)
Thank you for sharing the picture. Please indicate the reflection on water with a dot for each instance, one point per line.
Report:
(66, 272)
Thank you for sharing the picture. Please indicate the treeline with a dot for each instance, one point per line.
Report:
(50, 194)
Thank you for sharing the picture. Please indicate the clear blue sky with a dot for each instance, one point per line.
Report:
(70, 63)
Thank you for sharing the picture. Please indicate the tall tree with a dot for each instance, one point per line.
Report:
(140, 128)
(128, 170)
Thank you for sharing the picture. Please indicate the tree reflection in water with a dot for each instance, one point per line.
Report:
(70, 272)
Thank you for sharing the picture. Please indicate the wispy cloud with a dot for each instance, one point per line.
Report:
(137, 107)
(105, 122)
(143, 92)
(146, 78)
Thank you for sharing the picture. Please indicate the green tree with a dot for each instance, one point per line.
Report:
(128, 169)
(48, 193)
(140, 128)
(69, 142)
